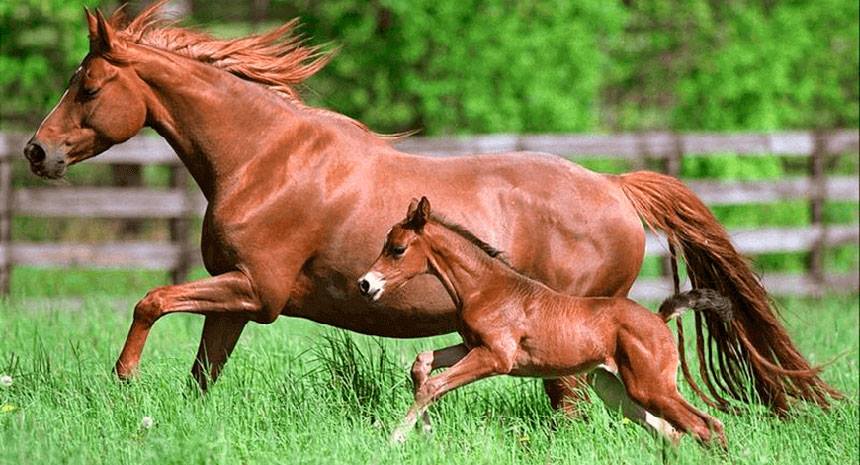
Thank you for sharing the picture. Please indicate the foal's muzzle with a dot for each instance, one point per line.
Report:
(371, 285)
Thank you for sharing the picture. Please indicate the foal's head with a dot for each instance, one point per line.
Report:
(404, 255)
(103, 105)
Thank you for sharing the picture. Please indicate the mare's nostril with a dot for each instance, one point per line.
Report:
(364, 286)
(34, 152)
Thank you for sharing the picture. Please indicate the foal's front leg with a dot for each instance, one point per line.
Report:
(479, 363)
(428, 361)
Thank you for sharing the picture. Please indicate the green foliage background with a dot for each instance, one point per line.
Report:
(490, 66)
(484, 66)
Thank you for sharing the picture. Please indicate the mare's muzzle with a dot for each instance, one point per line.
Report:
(44, 162)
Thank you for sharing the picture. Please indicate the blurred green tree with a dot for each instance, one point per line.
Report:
(41, 43)
(469, 66)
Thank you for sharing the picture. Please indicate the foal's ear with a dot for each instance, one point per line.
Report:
(424, 208)
(419, 212)
(413, 207)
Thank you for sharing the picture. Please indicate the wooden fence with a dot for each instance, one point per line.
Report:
(181, 203)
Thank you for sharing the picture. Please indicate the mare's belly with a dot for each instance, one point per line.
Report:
(420, 309)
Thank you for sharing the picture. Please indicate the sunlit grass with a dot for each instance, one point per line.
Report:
(299, 392)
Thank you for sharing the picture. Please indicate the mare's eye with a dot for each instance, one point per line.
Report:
(89, 92)
(398, 250)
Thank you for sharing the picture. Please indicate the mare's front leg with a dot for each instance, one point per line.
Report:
(431, 360)
(479, 363)
(229, 295)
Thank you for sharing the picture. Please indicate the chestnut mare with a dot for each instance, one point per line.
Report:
(297, 196)
(514, 325)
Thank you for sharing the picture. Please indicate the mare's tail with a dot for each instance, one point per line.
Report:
(753, 342)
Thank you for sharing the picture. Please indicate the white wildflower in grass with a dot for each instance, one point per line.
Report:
(146, 422)
(5, 380)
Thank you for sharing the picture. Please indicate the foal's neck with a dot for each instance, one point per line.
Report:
(464, 269)
(214, 121)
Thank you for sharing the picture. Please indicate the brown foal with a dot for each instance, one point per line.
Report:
(514, 325)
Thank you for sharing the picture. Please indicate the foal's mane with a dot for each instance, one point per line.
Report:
(279, 59)
(471, 237)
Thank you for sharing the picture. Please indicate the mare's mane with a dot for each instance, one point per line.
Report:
(279, 59)
(471, 237)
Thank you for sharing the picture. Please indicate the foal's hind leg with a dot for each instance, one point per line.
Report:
(428, 361)
(612, 392)
(653, 387)
(648, 364)
(714, 425)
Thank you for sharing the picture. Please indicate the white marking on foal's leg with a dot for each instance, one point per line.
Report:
(402, 431)
(611, 390)
(610, 369)
(663, 427)
(421, 369)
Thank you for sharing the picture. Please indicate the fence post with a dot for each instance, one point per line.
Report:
(817, 197)
(5, 223)
(180, 227)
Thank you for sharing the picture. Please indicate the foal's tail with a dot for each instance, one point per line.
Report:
(753, 342)
(700, 300)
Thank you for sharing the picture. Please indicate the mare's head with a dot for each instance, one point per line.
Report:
(405, 254)
(118, 89)
(103, 105)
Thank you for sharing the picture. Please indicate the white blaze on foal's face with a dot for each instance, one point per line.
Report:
(372, 285)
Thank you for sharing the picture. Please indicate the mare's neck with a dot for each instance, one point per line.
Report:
(214, 121)
(464, 269)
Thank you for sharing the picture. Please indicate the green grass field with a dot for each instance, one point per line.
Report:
(297, 392)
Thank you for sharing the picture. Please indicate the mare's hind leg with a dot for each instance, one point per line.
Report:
(567, 393)
(431, 360)
(612, 392)
(220, 334)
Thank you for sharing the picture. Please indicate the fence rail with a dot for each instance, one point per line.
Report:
(180, 203)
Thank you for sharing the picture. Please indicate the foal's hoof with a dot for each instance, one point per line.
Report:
(398, 436)
(426, 428)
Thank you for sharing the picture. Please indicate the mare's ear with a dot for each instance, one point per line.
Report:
(102, 34)
(92, 23)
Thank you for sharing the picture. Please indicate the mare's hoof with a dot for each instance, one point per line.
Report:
(122, 374)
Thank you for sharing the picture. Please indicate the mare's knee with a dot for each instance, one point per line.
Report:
(151, 307)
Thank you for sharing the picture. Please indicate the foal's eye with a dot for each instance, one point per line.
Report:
(398, 250)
